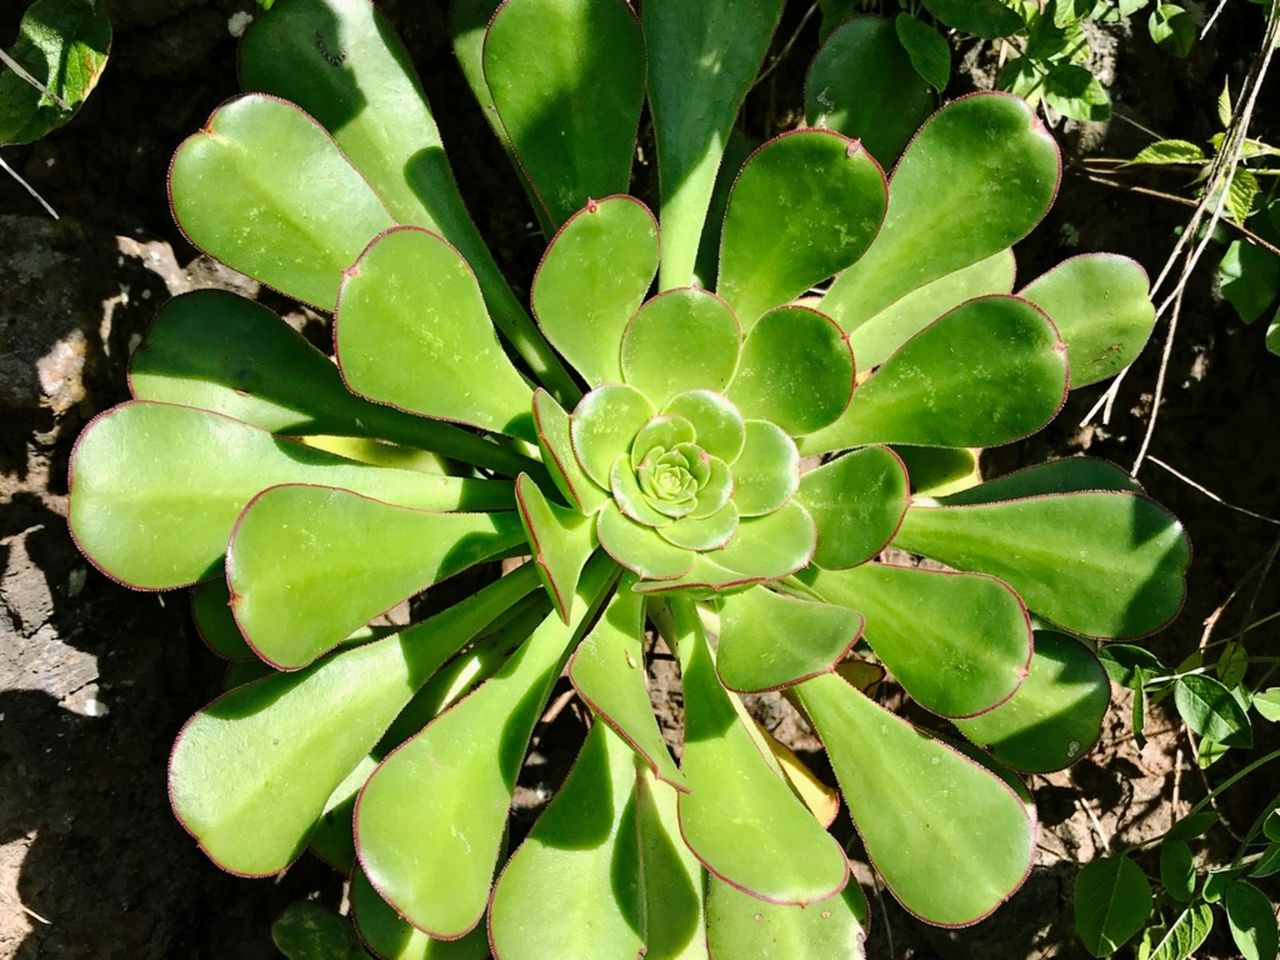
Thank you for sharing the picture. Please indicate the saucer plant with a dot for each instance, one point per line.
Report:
(765, 456)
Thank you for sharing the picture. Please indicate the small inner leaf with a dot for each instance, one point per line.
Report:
(717, 423)
(605, 425)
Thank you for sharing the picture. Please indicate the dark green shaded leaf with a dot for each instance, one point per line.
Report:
(929, 51)
(1112, 902)
(982, 18)
(1177, 870)
(308, 931)
(1210, 710)
(1186, 934)
(1252, 919)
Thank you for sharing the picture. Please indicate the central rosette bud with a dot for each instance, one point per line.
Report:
(676, 476)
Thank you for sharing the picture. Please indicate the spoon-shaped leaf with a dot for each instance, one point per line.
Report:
(307, 565)
(991, 371)
(562, 540)
(556, 442)
(1108, 564)
(703, 58)
(959, 643)
(1055, 717)
(251, 773)
(239, 185)
(591, 281)
(214, 350)
(431, 853)
(608, 672)
(863, 84)
(211, 611)
(682, 340)
(567, 78)
(341, 61)
(769, 641)
(878, 338)
(767, 472)
(740, 927)
(604, 424)
(1068, 475)
(155, 488)
(412, 293)
(951, 840)
(673, 878)
(639, 548)
(976, 179)
(857, 502)
(331, 840)
(716, 422)
(1101, 304)
(773, 847)
(573, 888)
(806, 205)
(796, 370)
(393, 938)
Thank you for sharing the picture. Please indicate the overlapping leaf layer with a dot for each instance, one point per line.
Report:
(729, 467)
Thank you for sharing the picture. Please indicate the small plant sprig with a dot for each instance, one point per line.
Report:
(728, 467)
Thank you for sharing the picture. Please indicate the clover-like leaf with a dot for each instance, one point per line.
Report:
(592, 279)
(769, 640)
(857, 503)
(1055, 717)
(863, 83)
(684, 316)
(989, 372)
(796, 371)
(572, 121)
(773, 848)
(959, 643)
(410, 288)
(805, 206)
(293, 543)
(203, 468)
(975, 180)
(236, 185)
(951, 840)
(432, 854)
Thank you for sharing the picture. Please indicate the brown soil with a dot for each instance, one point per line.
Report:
(95, 680)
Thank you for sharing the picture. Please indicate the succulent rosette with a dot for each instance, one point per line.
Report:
(753, 472)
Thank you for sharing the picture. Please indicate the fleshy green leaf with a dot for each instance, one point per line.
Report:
(211, 610)
(394, 938)
(567, 78)
(331, 840)
(639, 548)
(308, 931)
(1101, 305)
(325, 56)
(1055, 717)
(591, 281)
(604, 424)
(940, 471)
(1112, 902)
(251, 773)
(769, 641)
(959, 643)
(562, 541)
(681, 340)
(772, 846)
(608, 672)
(741, 927)
(1067, 475)
(857, 502)
(1211, 711)
(716, 422)
(875, 340)
(767, 472)
(867, 82)
(553, 427)
(806, 205)
(673, 878)
(694, 107)
(1107, 564)
(796, 370)
(586, 839)
(431, 853)
(989, 372)
(975, 180)
(155, 489)
(951, 840)
(295, 543)
(412, 293)
(983, 18)
(214, 350)
(772, 546)
(237, 187)
(1252, 920)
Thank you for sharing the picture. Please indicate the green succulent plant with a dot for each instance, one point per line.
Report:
(700, 485)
